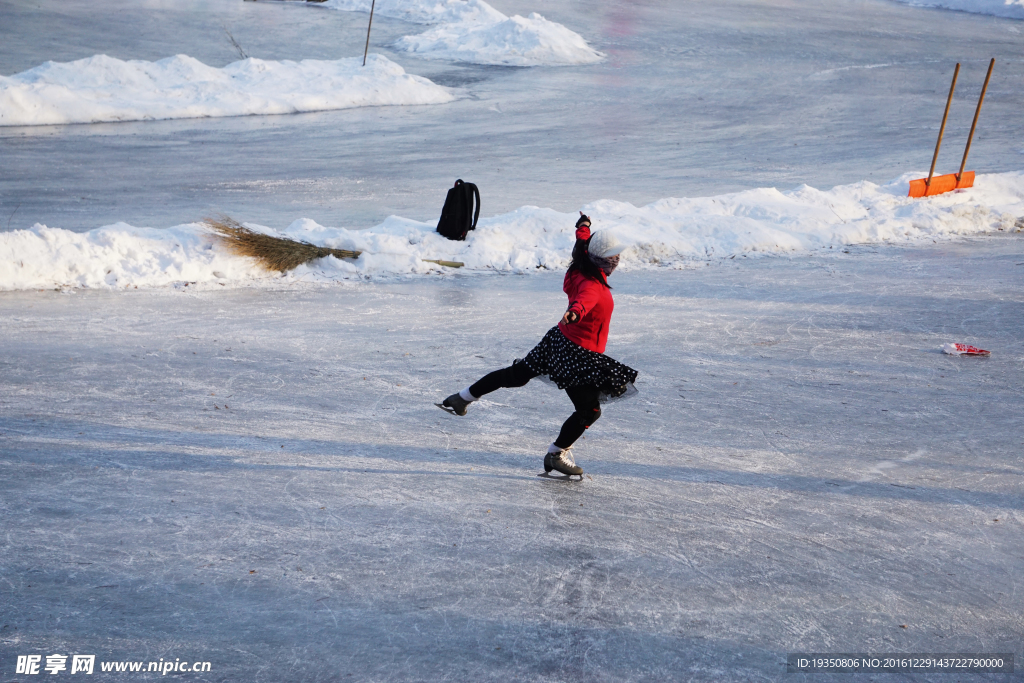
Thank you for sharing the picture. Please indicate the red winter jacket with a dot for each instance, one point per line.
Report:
(592, 301)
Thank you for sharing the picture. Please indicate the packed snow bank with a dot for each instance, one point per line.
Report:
(669, 232)
(515, 41)
(102, 88)
(1013, 9)
(425, 11)
(473, 31)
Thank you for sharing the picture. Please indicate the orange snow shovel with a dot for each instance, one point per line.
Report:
(933, 185)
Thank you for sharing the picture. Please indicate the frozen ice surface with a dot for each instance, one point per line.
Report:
(260, 480)
(694, 99)
(103, 89)
(1000, 8)
(667, 233)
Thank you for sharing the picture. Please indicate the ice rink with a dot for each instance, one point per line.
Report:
(256, 476)
(260, 480)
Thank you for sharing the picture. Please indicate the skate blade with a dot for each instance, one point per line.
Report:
(561, 477)
(450, 411)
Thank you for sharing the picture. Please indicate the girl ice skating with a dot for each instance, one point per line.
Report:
(571, 354)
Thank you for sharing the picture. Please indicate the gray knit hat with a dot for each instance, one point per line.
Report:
(604, 244)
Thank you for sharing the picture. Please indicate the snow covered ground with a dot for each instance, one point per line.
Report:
(260, 480)
(667, 233)
(103, 88)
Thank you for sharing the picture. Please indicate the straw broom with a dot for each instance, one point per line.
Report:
(279, 253)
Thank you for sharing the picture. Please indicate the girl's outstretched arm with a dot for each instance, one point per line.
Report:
(577, 309)
(583, 227)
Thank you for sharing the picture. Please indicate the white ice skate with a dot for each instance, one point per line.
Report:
(561, 459)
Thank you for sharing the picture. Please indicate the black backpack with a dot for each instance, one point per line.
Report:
(458, 216)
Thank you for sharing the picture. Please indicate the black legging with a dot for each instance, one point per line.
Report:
(585, 399)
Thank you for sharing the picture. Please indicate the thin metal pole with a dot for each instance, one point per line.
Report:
(367, 49)
(975, 122)
(942, 130)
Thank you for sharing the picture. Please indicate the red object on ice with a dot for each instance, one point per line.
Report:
(965, 350)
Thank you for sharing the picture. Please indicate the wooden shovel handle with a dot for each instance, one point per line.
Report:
(945, 114)
(974, 123)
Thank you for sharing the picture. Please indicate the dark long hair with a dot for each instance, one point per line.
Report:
(581, 262)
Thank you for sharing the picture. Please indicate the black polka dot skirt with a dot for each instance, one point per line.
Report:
(567, 364)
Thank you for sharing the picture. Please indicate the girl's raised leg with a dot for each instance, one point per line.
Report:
(515, 375)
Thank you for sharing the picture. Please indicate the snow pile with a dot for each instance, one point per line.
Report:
(515, 41)
(102, 88)
(473, 31)
(1013, 9)
(425, 11)
(669, 232)
(117, 256)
